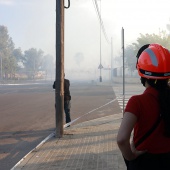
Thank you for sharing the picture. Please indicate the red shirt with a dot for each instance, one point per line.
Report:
(146, 108)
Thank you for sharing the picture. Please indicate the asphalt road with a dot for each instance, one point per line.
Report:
(27, 114)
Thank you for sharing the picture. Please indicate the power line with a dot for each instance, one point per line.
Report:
(100, 19)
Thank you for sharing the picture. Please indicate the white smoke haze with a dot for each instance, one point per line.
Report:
(31, 23)
(6, 2)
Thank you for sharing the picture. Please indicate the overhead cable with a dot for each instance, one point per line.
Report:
(100, 20)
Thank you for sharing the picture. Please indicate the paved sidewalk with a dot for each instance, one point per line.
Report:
(87, 146)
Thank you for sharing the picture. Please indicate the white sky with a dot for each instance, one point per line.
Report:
(31, 23)
(82, 26)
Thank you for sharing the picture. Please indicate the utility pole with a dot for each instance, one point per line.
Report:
(59, 85)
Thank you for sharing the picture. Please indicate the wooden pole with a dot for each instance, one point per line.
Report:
(59, 89)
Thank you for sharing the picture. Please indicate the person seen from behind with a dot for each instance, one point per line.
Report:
(67, 98)
(148, 114)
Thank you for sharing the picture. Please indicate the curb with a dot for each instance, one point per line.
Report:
(39, 145)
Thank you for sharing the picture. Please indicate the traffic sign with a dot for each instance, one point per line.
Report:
(100, 66)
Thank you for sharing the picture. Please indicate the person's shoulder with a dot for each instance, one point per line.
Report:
(136, 98)
(66, 80)
(139, 98)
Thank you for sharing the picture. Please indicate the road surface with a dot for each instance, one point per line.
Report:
(27, 114)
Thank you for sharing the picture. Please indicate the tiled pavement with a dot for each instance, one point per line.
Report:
(87, 146)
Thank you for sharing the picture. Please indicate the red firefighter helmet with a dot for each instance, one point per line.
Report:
(154, 62)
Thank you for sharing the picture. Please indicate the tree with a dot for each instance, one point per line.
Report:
(8, 62)
(11, 58)
(162, 38)
(168, 27)
(32, 61)
(130, 59)
(17, 53)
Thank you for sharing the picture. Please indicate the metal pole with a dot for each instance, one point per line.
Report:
(59, 89)
(100, 47)
(123, 69)
(1, 68)
(111, 78)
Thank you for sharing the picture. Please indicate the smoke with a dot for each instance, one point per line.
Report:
(6, 2)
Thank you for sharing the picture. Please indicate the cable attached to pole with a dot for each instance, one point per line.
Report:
(68, 5)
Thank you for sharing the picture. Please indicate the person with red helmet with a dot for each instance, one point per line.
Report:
(148, 114)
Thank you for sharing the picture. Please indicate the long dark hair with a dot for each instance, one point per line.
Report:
(164, 99)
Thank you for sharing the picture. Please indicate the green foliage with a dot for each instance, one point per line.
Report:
(130, 58)
(8, 62)
(162, 38)
(32, 61)
(17, 53)
(11, 58)
(3, 38)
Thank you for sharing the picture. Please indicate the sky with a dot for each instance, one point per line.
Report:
(31, 24)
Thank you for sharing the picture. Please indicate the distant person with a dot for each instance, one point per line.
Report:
(148, 114)
(67, 98)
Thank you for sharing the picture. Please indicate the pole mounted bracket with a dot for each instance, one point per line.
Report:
(68, 5)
